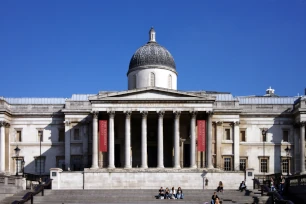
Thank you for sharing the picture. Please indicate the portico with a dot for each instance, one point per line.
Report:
(147, 134)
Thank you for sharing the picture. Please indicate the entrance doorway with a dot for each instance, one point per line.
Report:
(117, 156)
(186, 155)
(152, 156)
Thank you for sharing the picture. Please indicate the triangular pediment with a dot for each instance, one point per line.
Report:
(147, 94)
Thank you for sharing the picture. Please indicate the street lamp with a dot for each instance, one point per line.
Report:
(288, 154)
(17, 150)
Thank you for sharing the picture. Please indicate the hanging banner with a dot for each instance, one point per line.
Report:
(201, 135)
(103, 135)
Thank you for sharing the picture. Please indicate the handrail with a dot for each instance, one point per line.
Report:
(29, 195)
(274, 194)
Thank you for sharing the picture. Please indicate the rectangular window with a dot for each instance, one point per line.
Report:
(285, 165)
(76, 134)
(264, 165)
(227, 135)
(242, 136)
(60, 162)
(61, 135)
(18, 136)
(242, 164)
(40, 164)
(40, 135)
(285, 136)
(227, 164)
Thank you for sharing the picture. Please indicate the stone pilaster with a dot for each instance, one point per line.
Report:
(209, 140)
(144, 160)
(176, 139)
(193, 139)
(219, 128)
(67, 144)
(111, 153)
(2, 146)
(236, 146)
(302, 148)
(127, 139)
(95, 152)
(160, 148)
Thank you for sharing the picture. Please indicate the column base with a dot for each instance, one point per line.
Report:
(160, 167)
(177, 167)
(127, 167)
(144, 167)
(303, 173)
(211, 167)
(94, 167)
(111, 167)
(193, 167)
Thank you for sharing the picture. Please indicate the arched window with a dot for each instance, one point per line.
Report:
(152, 79)
(135, 81)
(170, 81)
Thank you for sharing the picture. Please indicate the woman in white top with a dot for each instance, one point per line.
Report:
(172, 193)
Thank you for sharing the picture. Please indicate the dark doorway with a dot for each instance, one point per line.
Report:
(117, 156)
(152, 156)
(186, 155)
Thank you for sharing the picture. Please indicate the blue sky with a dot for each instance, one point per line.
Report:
(59, 48)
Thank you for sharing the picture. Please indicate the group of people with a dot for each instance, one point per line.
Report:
(170, 193)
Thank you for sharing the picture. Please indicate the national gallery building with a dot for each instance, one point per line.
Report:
(152, 132)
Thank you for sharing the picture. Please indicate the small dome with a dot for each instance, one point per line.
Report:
(152, 54)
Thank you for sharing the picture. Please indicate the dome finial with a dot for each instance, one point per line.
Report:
(152, 35)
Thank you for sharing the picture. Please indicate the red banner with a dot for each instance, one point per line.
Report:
(103, 135)
(201, 135)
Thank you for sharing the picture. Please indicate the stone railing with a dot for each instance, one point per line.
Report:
(19, 182)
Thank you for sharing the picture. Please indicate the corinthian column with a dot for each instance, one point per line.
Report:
(193, 140)
(111, 153)
(128, 139)
(2, 146)
(95, 140)
(144, 162)
(176, 139)
(209, 140)
(160, 156)
(67, 144)
(302, 149)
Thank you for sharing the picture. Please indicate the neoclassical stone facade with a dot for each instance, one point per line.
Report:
(153, 126)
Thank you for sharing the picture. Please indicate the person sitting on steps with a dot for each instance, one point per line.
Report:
(167, 193)
(173, 193)
(179, 193)
(220, 187)
(242, 186)
(213, 198)
(161, 193)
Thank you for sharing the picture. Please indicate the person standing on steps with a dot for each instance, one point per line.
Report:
(213, 198)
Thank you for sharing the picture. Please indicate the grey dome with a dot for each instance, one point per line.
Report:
(152, 54)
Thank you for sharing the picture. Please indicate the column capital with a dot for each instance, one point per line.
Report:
(3, 123)
(111, 114)
(209, 113)
(128, 114)
(193, 114)
(177, 114)
(95, 114)
(67, 122)
(217, 122)
(161, 113)
(144, 114)
(236, 123)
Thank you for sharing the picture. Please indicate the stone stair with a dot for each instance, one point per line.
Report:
(135, 196)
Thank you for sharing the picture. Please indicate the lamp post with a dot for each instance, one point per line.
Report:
(17, 150)
(288, 154)
(264, 138)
